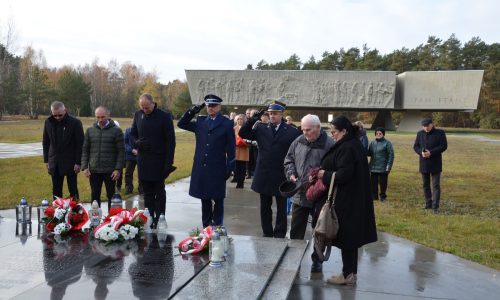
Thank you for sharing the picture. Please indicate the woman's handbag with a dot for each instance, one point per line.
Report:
(327, 226)
(316, 188)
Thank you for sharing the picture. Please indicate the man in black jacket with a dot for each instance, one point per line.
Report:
(62, 149)
(429, 145)
(153, 131)
(273, 139)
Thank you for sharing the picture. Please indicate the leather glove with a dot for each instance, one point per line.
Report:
(142, 145)
(257, 115)
(197, 108)
(167, 170)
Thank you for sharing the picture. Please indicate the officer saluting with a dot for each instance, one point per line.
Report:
(273, 139)
(214, 157)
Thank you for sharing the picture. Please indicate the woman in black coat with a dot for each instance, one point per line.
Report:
(353, 203)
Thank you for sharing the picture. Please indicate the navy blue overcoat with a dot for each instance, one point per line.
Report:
(214, 156)
(269, 170)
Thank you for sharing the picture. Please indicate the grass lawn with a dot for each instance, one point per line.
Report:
(28, 177)
(468, 226)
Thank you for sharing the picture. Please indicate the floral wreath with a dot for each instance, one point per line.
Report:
(196, 242)
(120, 225)
(65, 215)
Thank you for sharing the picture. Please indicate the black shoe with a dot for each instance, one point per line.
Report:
(233, 180)
(316, 267)
(435, 211)
(382, 198)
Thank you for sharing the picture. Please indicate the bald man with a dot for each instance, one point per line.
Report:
(103, 154)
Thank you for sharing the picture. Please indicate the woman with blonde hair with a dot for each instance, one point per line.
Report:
(242, 153)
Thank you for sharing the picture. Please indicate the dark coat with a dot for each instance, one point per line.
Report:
(269, 170)
(129, 145)
(157, 129)
(382, 155)
(63, 154)
(214, 156)
(435, 142)
(353, 204)
(103, 148)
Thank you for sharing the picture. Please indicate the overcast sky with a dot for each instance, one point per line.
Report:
(170, 36)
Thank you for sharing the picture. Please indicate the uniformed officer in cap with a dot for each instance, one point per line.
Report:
(214, 157)
(273, 139)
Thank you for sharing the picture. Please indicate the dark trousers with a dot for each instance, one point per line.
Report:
(432, 197)
(120, 180)
(376, 179)
(349, 261)
(252, 158)
(266, 216)
(57, 185)
(239, 173)
(129, 176)
(212, 215)
(96, 180)
(155, 198)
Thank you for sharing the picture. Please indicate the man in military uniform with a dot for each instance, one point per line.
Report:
(273, 139)
(214, 157)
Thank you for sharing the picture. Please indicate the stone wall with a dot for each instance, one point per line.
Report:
(346, 89)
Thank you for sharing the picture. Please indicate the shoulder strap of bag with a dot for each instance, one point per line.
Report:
(331, 197)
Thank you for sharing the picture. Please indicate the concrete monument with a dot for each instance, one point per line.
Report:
(318, 89)
(382, 91)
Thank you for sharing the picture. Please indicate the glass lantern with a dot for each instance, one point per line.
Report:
(216, 250)
(23, 212)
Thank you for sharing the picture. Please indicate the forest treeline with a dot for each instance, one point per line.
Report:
(434, 55)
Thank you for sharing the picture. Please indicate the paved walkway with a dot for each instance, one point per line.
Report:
(392, 268)
(11, 150)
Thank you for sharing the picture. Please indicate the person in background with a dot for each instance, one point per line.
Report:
(361, 135)
(130, 163)
(103, 155)
(119, 182)
(347, 161)
(253, 150)
(429, 145)
(62, 149)
(273, 139)
(214, 157)
(232, 115)
(242, 153)
(265, 118)
(154, 136)
(382, 158)
(304, 154)
(289, 121)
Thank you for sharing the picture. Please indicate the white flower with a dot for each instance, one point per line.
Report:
(128, 231)
(59, 213)
(61, 228)
(107, 233)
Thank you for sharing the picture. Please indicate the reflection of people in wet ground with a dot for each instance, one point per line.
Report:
(103, 269)
(423, 266)
(153, 271)
(63, 262)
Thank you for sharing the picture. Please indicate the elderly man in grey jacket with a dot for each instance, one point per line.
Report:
(305, 153)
